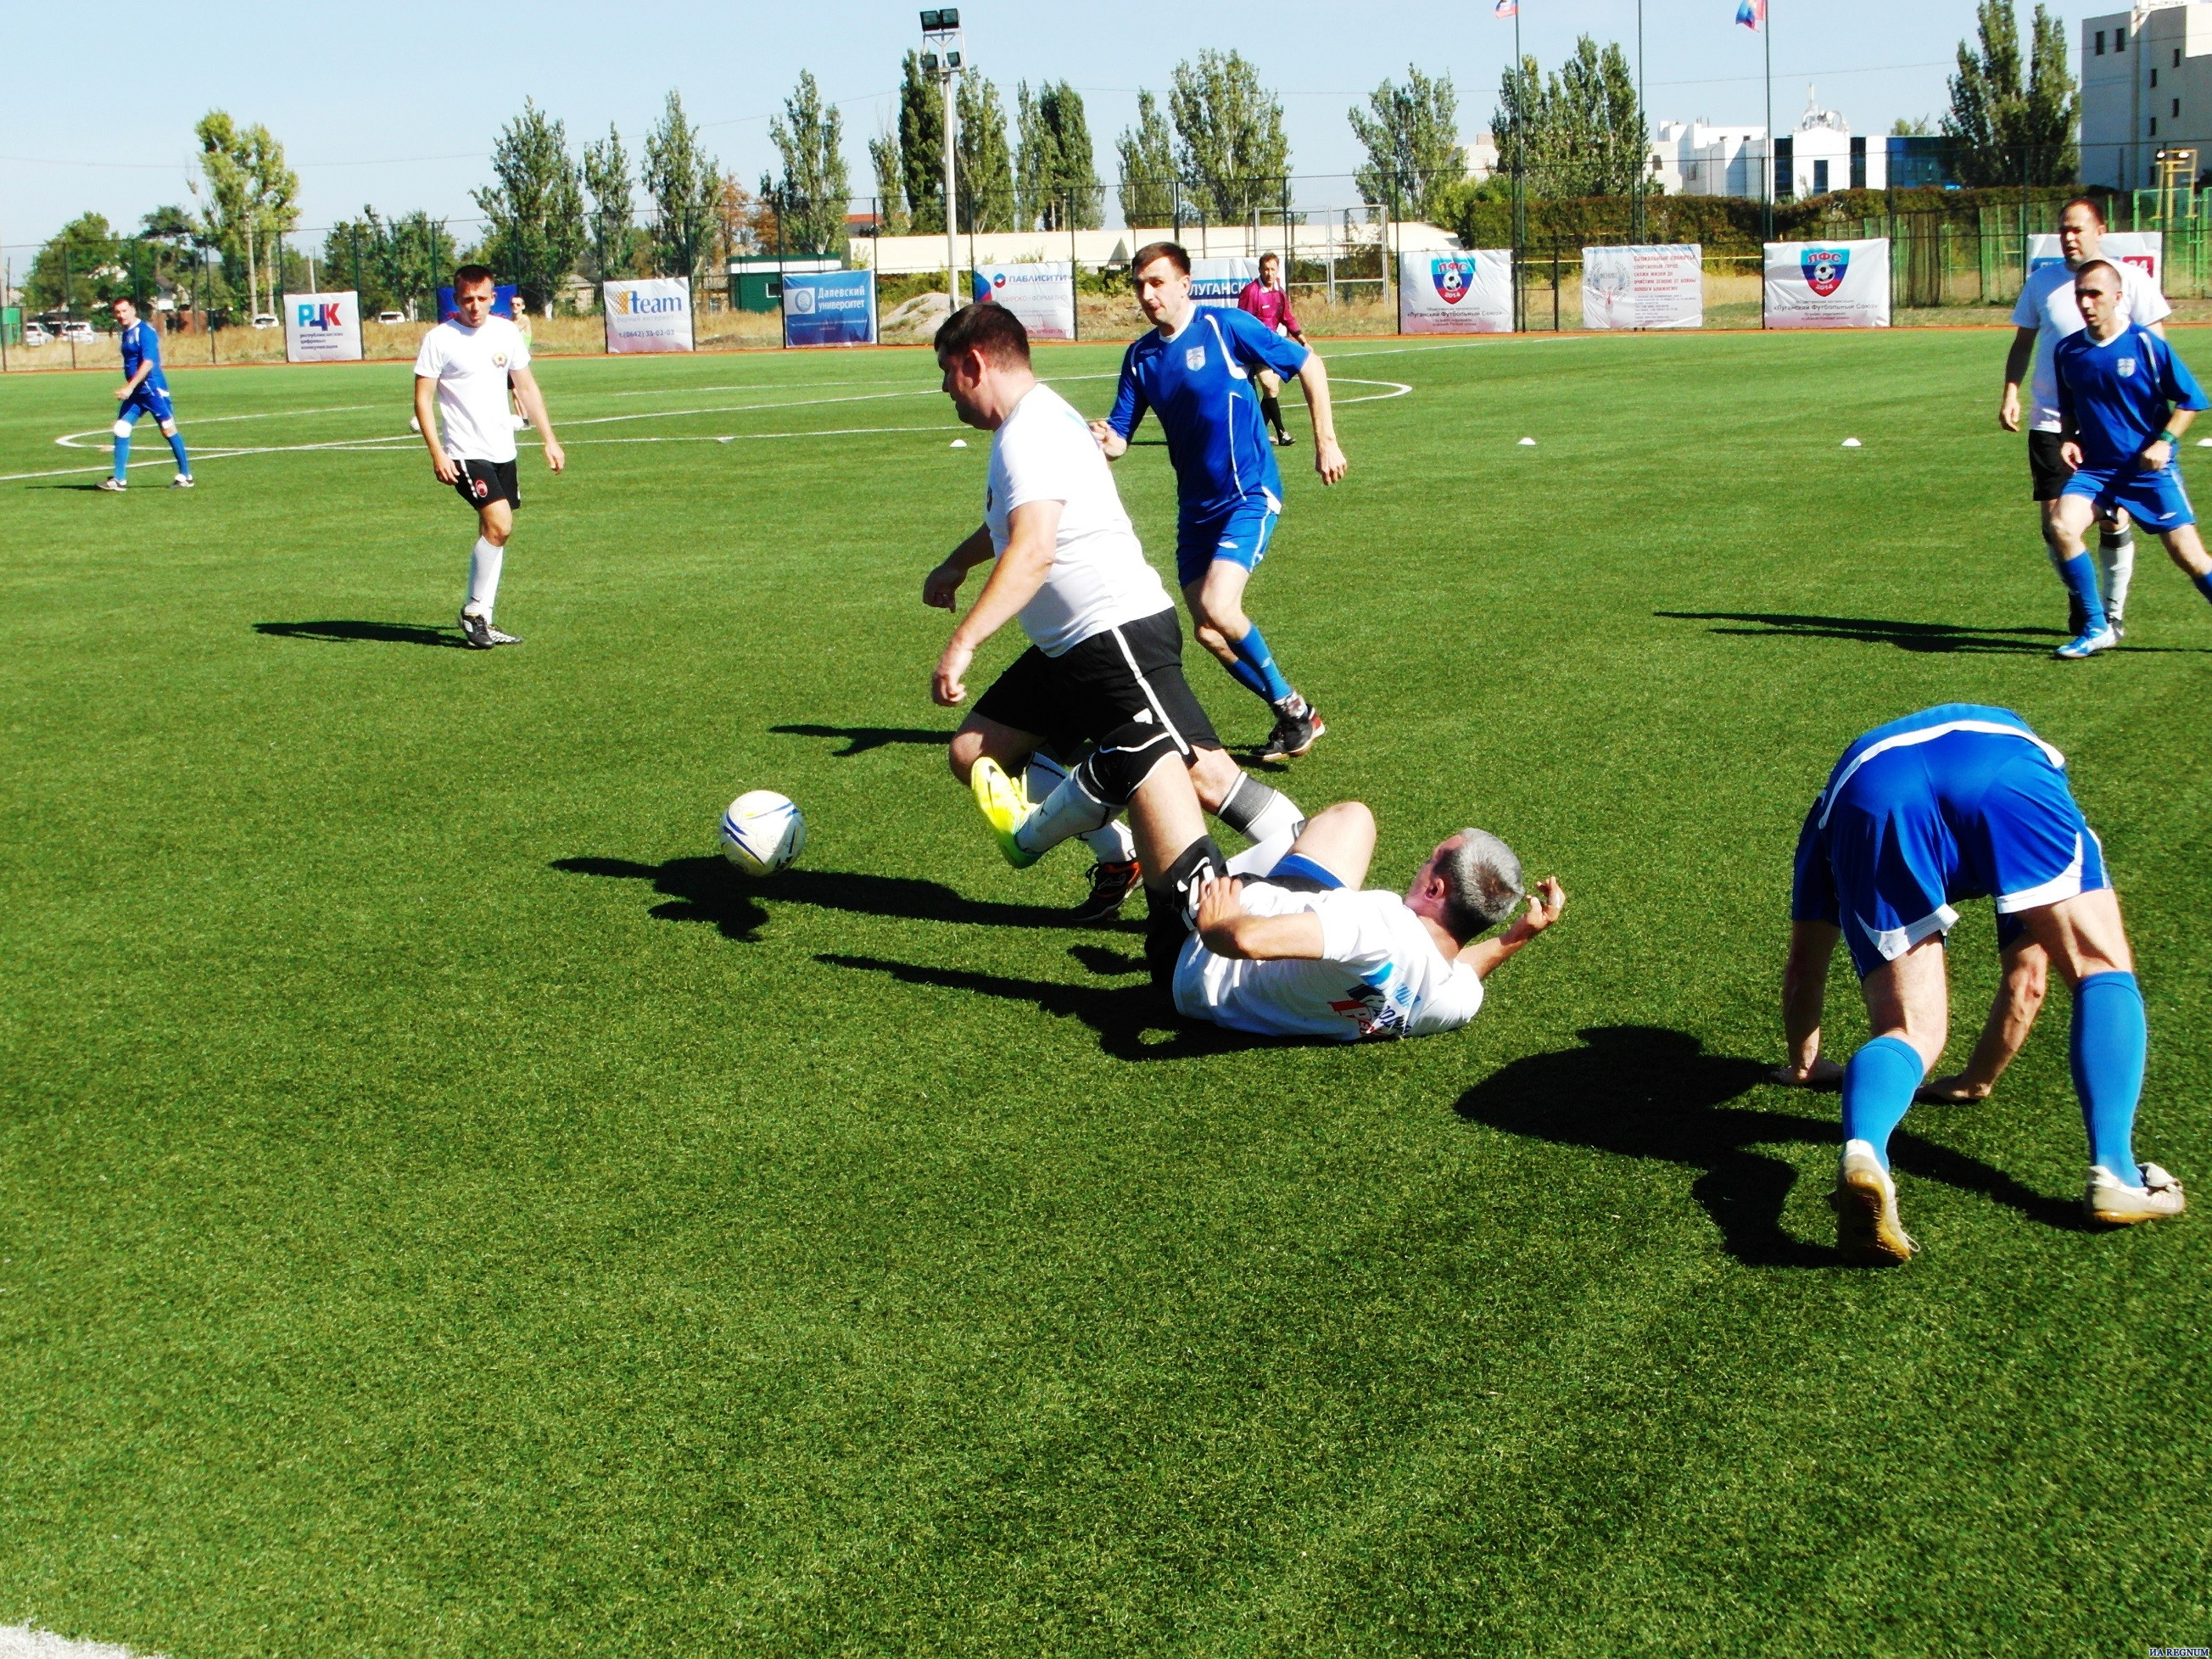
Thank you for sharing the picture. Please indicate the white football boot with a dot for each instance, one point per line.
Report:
(2116, 1203)
(1868, 1231)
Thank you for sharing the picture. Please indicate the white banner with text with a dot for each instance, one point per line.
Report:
(650, 314)
(1454, 293)
(1828, 284)
(1042, 295)
(322, 328)
(1662, 286)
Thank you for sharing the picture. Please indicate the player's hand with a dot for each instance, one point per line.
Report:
(123, 392)
(1220, 907)
(2070, 453)
(1111, 442)
(1545, 905)
(2155, 458)
(1329, 462)
(556, 457)
(940, 588)
(447, 469)
(1956, 1090)
(2008, 409)
(948, 687)
(1821, 1074)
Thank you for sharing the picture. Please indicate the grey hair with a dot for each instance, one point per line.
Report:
(1482, 883)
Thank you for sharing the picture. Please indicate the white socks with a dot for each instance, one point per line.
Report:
(1260, 813)
(2116, 563)
(1109, 841)
(485, 561)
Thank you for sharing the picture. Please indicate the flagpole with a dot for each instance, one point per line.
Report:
(1642, 126)
(1766, 29)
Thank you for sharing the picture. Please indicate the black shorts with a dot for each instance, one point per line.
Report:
(483, 482)
(2046, 467)
(1121, 674)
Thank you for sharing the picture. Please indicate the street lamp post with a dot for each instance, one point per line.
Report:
(941, 33)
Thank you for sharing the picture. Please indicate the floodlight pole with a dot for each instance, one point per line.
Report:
(1766, 217)
(941, 31)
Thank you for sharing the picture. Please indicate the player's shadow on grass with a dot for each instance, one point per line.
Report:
(860, 739)
(377, 632)
(1870, 630)
(709, 889)
(1645, 1092)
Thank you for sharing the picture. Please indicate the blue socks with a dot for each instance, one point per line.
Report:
(1243, 673)
(122, 458)
(2203, 583)
(2107, 1052)
(2079, 576)
(1878, 1087)
(176, 449)
(1265, 679)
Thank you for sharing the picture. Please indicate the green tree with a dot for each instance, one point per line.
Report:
(168, 239)
(812, 195)
(536, 207)
(921, 146)
(2012, 123)
(1579, 131)
(397, 265)
(1146, 152)
(985, 166)
(1056, 183)
(615, 233)
(80, 270)
(254, 197)
(686, 186)
(891, 184)
(1230, 149)
(1412, 137)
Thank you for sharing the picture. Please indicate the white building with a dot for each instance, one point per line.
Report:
(1695, 158)
(1699, 159)
(1481, 156)
(2146, 86)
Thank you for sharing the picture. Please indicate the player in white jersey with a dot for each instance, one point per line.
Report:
(463, 372)
(1301, 950)
(1104, 665)
(2046, 314)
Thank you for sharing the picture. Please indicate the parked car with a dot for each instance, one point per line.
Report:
(401, 316)
(37, 334)
(83, 333)
(265, 320)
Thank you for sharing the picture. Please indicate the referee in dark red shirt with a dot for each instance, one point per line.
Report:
(1269, 300)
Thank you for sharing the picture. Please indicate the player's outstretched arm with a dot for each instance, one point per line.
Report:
(1487, 955)
(1804, 996)
(1329, 459)
(426, 422)
(533, 406)
(2012, 1017)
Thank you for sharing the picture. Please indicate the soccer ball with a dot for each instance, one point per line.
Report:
(762, 832)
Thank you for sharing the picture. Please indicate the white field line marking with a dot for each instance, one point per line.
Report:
(21, 1642)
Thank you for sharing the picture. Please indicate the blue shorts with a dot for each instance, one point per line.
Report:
(2155, 501)
(1961, 815)
(1239, 535)
(148, 399)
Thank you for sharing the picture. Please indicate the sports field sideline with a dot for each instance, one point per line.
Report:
(443, 1210)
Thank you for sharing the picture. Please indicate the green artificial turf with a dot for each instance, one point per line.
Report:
(444, 1210)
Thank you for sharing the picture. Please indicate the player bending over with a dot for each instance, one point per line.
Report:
(468, 361)
(1195, 370)
(2124, 399)
(1104, 664)
(145, 391)
(1954, 803)
(2046, 314)
(1268, 299)
(1302, 949)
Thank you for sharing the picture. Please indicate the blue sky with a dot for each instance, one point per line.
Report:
(400, 111)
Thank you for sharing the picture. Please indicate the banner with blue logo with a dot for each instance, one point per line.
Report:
(1456, 293)
(828, 307)
(1828, 284)
(502, 302)
(322, 328)
(1217, 282)
(1041, 295)
(652, 313)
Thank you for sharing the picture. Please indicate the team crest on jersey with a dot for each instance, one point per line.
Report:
(1453, 278)
(2127, 368)
(499, 359)
(1194, 357)
(1824, 269)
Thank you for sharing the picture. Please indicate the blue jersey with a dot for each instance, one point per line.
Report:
(141, 344)
(2115, 399)
(1200, 384)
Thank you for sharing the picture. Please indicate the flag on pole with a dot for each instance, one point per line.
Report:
(1752, 13)
(1507, 8)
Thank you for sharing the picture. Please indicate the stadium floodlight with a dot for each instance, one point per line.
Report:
(952, 60)
(929, 21)
(941, 28)
(949, 18)
(929, 63)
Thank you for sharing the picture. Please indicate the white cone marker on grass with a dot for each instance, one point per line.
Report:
(1526, 443)
(959, 443)
(1852, 443)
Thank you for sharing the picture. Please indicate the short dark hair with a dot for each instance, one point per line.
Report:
(1174, 252)
(1266, 258)
(2100, 264)
(988, 328)
(470, 275)
(2096, 211)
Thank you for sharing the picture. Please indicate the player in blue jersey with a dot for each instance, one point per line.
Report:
(1950, 804)
(1195, 371)
(2124, 399)
(145, 391)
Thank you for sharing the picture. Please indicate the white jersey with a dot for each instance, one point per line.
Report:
(471, 366)
(2046, 305)
(1379, 975)
(1044, 452)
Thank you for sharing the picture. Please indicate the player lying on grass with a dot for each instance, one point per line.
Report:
(1104, 664)
(2124, 399)
(1194, 371)
(1268, 300)
(467, 364)
(1300, 949)
(145, 391)
(2048, 314)
(1953, 803)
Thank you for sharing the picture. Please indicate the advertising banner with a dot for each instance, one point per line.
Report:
(650, 314)
(1042, 295)
(828, 307)
(1469, 293)
(2143, 249)
(322, 328)
(502, 302)
(1218, 281)
(1828, 284)
(1652, 286)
